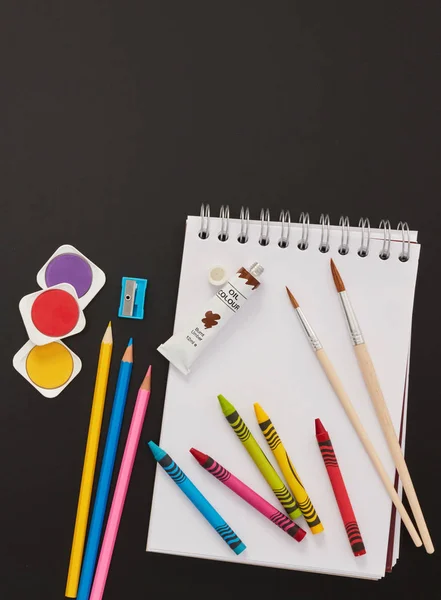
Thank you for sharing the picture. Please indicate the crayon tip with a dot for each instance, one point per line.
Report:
(199, 456)
(227, 407)
(157, 452)
(260, 413)
(319, 429)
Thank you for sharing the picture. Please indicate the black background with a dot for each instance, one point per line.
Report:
(117, 120)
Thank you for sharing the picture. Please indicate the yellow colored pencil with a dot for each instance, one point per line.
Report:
(93, 438)
(290, 474)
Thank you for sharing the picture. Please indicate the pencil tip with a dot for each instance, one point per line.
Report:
(291, 297)
(128, 354)
(337, 278)
(108, 337)
(319, 427)
(130, 342)
(146, 384)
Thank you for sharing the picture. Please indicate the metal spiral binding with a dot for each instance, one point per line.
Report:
(304, 221)
(204, 231)
(224, 215)
(285, 221)
(264, 227)
(324, 239)
(345, 229)
(365, 225)
(303, 242)
(385, 251)
(405, 250)
(244, 225)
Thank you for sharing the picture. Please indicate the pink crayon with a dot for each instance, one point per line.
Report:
(249, 495)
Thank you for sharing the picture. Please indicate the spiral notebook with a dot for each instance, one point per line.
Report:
(263, 356)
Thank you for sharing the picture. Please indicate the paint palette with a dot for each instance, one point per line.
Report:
(69, 281)
(69, 265)
(52, 314)
(48, 368)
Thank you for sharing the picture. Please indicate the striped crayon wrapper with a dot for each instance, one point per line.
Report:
(260, 459)
(246, 493)
(197, 498)
(289, 473)
(340, 491)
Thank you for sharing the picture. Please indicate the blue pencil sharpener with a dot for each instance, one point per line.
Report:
(132, 300)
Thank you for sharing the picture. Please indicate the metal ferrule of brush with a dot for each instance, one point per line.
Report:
(310, 333)
(351, 319)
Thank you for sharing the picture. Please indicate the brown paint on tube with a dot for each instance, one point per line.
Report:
(184, 347)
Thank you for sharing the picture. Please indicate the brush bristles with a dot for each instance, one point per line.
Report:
(337, 278)
(291, 297)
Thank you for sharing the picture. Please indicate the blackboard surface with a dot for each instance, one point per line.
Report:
(117, 120)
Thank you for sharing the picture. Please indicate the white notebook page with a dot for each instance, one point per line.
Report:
(262, 355)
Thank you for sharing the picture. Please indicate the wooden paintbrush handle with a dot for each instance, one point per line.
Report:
(373, 386)
(362, 434)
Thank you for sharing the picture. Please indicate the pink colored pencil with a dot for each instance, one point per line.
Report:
(121, 488)
(249, 495)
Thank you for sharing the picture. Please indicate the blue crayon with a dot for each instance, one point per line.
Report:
(195, 496)
(102, 493)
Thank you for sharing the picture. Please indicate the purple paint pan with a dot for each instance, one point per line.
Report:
(70, 268)
(69, 265)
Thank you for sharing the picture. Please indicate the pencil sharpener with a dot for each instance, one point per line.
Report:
(132, 300)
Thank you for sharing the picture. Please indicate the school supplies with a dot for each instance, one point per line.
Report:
(280, 490)
(249, 495)
(198, 500)
(102, 493)
(69, 281)
(131, 304)
(49, 368)
(289, 473)
(51, 315)
(341, 394)
(93, 438)
(121, 488)
(340, 492)
(183, 348)
(373, 385)
(265, 359)
(69, 265)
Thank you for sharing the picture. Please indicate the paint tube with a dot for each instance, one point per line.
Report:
(184, 347)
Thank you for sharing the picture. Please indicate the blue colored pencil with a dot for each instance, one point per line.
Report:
(199, 501)
(102, 493)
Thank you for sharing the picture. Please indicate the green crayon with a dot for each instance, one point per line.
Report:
(282, 493)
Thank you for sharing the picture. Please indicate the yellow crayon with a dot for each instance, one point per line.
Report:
(291, 476)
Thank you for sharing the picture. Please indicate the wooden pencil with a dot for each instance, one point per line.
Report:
(106, 472)
(93, 438)
(338, 388)
(122, 485)
(373, 385)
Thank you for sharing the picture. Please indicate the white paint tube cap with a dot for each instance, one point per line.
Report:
(256, 270)
(217, 275)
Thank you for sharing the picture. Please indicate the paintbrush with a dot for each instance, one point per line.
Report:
(373, 385)
(354, 418)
